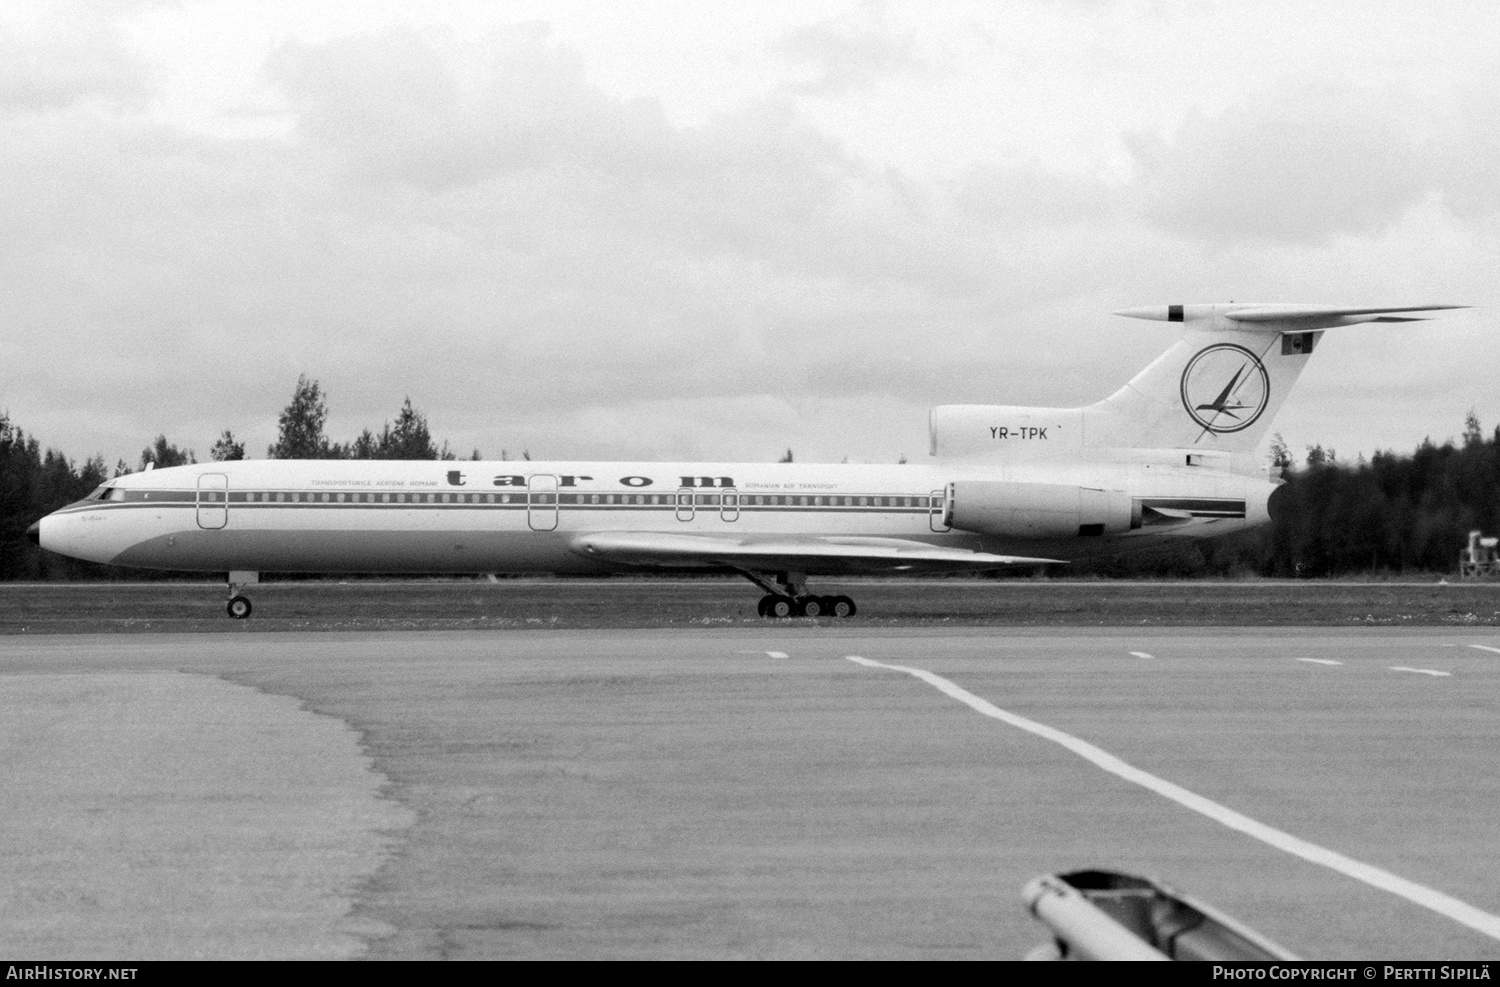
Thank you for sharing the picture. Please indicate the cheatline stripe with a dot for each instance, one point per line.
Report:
(1444, 904)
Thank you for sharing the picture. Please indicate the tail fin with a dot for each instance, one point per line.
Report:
(1220, 386)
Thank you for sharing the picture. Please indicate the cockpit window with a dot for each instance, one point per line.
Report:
(115, 493)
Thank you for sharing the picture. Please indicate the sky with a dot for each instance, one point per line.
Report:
(713, 230)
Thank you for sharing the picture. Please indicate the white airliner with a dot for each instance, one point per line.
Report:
(1169, 455)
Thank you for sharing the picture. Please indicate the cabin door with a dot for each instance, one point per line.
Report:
(937, 509)
(213, 500)
(729, 504)
(686, 510)
(541, 502)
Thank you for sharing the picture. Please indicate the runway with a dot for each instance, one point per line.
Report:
(724, 793)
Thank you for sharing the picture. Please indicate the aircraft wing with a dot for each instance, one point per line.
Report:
(823, 555)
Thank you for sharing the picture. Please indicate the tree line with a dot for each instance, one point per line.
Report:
(1397, 513)
(301, 433)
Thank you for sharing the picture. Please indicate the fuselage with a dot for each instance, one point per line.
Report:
(525, 517)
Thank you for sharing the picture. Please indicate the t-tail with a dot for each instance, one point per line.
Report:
(1216, 390)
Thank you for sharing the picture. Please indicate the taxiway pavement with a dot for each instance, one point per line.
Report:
(739, 793)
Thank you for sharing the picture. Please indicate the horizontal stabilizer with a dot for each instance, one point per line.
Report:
(1319, 316)
(1279, 317)
(830, 554)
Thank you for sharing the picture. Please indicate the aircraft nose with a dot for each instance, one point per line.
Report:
(34, 533)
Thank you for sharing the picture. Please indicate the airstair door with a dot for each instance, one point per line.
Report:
(213, 500)
(541, 502)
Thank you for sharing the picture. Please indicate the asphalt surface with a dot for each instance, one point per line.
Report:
(726, 793)
(510, 604)
(157, 814)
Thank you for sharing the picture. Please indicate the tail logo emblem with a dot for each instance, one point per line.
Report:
(1225, 388)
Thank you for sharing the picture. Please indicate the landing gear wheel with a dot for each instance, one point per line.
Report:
(239, 608)
(764, 606)
(813, 606)
(841, 606)
(782, 606)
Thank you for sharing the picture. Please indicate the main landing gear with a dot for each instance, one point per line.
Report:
(782, 605)
(788, 597)
(239, 605)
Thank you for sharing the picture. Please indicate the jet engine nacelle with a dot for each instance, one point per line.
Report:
(1039, 510)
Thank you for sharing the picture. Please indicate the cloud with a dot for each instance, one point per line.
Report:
(62, 54)
(540, 263)
(517, 137)
(1466, 150)
(473, 224)
(1030, 196)
(1287, 167)
(847, 53)
(420, 108)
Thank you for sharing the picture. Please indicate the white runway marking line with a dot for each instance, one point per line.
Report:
(1485, 647)
(1321, 661)
(1141, 654)
(1444, 904)
(773, 654)
(1420, 671)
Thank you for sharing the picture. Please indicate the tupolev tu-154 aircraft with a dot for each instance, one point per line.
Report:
(1169, 455)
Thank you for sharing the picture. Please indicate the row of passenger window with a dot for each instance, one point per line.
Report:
(658, 499)
(745, 500)
(281, 497)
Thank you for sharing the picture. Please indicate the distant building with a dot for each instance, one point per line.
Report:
(1479, 560)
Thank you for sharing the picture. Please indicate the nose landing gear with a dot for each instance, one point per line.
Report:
(239, 605)
(788, 597)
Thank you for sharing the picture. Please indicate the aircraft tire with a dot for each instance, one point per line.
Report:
(813, 606)
(783, 606)
(764, 606)
(239, 608)
(841, 606)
